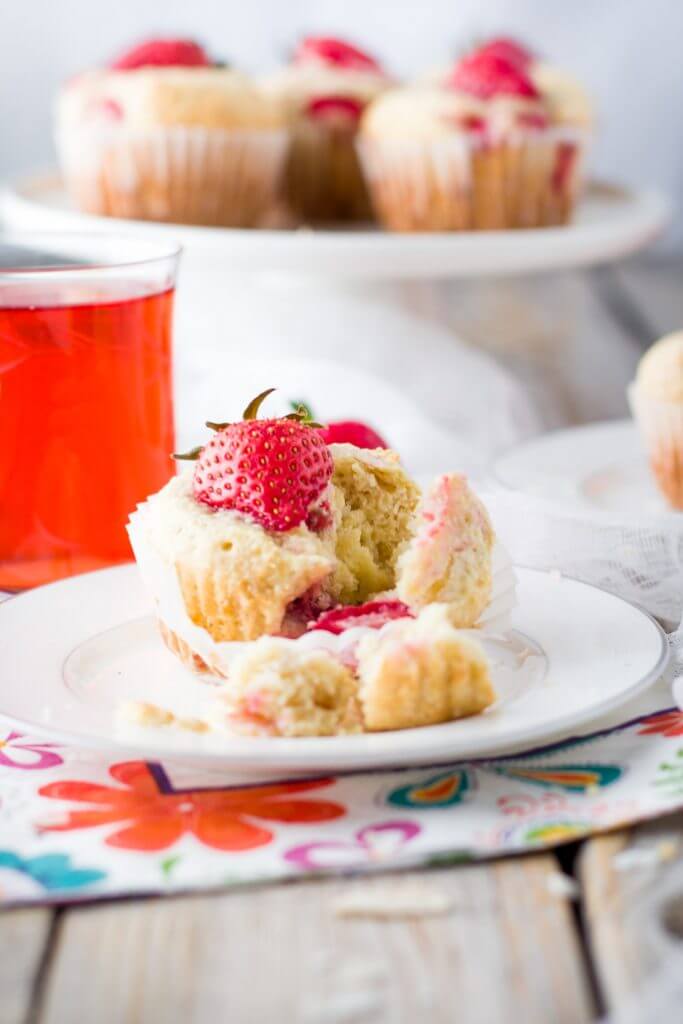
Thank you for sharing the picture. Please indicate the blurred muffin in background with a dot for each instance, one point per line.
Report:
(165, 134)
(656, 398)
(324, 92)
(480, 148)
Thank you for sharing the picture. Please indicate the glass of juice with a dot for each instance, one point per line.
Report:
(86, 404)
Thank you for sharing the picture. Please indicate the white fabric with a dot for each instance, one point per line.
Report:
(643, 564)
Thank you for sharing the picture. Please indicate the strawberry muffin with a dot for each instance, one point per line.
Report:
(481, 148)
(301, 574)
(324, 92)
(656, 398)
(166, 134)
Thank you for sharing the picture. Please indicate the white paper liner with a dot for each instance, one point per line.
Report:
(182, 174)
(433, 184)
(661, 424)
(160, 578)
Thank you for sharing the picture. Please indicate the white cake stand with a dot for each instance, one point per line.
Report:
(610, 223)
(364, 298)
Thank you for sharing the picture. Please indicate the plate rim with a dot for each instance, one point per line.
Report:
(348, 761)
(664, 519)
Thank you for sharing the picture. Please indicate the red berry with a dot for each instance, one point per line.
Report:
(371, 615)
(320, 517)
(162, 53)
(485, 75)
(270, 470)
(339, 107)
(106, 108)
(563, 170)
(509, 49)
(352, 432)
(335, 52)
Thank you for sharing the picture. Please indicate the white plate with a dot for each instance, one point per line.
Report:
(599, 471)
(72, 651)
(610, 224)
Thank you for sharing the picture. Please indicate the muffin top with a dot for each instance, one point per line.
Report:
(327, 76)
(482, 96)
(568, 102)
(660, 372)
(164, 83)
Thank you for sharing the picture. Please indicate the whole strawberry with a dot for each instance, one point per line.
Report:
(269, 470)
(352, 432)
(345, 431)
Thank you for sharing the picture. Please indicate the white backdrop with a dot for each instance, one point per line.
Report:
(627, 51)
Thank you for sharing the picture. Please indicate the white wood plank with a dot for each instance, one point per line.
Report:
(23, 938)
(621, 876)
(506, 951)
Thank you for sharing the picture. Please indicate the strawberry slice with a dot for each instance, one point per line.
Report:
(336, 52)
(564, 165)
(162, 53)
(344, 107)
(509, 49)
(371, 615)
(106, 108)
(484, 75)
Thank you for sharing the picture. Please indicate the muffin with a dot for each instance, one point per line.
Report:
(483, 148)
(324, 92)
(656, 398)
(276, 559)
(163, 134)
(571, 108)
(410, 673)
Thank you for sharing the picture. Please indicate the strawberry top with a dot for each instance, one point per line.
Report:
(335, 53)
(272, 470)
(162, 53)
(485, 75)
(507, 49)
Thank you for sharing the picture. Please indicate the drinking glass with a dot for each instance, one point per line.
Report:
(86, 405)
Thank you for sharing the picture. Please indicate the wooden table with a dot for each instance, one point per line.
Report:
(515, 946)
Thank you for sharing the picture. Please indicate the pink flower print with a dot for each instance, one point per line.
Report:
(373, 844)
(17, 751)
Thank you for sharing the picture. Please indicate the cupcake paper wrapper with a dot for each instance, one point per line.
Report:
(194, 646)
(189, 175)
(323, 178)
(458, 184)
(661, 424)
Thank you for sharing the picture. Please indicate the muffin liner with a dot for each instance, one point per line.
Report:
(323, 179)
(200, 653)
(661, 424)
(184, 175)
(458, 183)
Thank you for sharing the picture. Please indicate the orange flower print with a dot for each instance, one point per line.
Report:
(153, 819)
(667, 723)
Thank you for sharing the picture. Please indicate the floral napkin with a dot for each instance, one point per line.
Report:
(77, 826)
